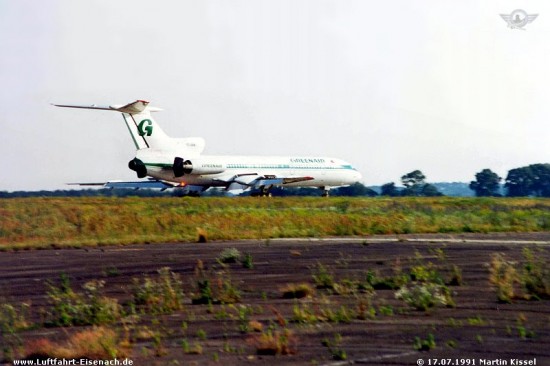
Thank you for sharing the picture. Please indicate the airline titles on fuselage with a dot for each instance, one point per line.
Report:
(307, 160)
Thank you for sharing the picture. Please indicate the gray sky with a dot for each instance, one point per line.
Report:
(390, 86)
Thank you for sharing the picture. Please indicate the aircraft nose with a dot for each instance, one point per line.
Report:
(354, 176)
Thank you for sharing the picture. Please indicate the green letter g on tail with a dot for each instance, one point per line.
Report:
(145, 127)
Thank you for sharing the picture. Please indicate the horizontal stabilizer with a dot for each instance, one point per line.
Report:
(132, 108)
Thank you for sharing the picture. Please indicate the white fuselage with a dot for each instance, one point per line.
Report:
(209, 170)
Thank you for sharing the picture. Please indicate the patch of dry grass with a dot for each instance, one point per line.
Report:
(297, 290)
(98, 343)
(277, 342)
(89, 221)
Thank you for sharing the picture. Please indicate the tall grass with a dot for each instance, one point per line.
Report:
(45, 222)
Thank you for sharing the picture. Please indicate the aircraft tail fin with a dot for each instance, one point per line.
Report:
(145, 132)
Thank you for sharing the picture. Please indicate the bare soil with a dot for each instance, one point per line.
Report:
(479, 327)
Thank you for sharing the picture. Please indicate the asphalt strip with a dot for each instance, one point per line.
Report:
(415, 240)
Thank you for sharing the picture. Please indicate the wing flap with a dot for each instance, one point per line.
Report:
(253, 180)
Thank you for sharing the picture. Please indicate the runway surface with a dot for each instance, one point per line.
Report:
(477, 328)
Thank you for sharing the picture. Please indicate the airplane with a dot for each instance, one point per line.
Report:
(178, 162)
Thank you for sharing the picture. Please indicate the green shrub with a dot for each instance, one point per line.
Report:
(228, 293)
(426, 273)
(205, 293)
(503, 275)
(322, 277)
(243, 316)
(302, 313)
(386, 310)
(247, 261)
(535, 277)
(423, 296)
(365, 310)
(161, 295)
(376, 282)
(224, 291)
(455, 276)
(424, 344)
(12, 320)
(347, 287)
(201, 334)
(341, 315)
(333, 346)
(89, 308)
(229, 255)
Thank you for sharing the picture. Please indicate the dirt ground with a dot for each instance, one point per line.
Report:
(477, 330)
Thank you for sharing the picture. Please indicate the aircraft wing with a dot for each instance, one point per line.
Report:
(150, 184)
(254, 180)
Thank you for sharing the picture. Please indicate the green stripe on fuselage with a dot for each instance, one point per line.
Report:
(267, 166)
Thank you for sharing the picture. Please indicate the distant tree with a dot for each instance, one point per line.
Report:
(389, 189)
(532, 180)
(413, 182)
(487, 184)
(541, 180)
(414, 178)
(356, 189)
(518, 182)
(415, 185)
(429, 190)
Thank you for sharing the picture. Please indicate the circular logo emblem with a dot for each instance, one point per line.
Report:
(519, 18)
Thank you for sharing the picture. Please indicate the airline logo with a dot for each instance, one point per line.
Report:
(307, 160)
(145, 127)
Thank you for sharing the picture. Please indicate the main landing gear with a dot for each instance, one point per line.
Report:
(325, 191)
(263, 192)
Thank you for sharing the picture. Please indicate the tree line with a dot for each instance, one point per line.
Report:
(529, 181)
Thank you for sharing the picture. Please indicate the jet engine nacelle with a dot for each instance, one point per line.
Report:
(196, 166)
(137, 166)
(181, 167)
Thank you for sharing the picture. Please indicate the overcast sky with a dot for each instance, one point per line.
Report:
(390, 86)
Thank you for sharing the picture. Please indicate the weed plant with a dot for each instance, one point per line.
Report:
(427, 289)
(214, 288)
(423, 296)
(323, 277)
(229, 255)
(535, 277)
(12, 321)
(274, 342)
(503, 275)
(87, 308)
(424, 344)
(334, 348)
(160, 295)
(247, 261)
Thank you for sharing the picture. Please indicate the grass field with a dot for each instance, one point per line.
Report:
(75, 222)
